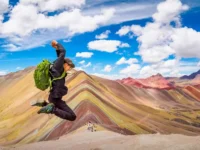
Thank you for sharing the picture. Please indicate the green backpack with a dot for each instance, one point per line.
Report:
(42, 75)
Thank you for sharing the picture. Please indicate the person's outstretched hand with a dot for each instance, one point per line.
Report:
(54, 44)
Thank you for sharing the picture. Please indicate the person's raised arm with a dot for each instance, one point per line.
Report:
(60, 51)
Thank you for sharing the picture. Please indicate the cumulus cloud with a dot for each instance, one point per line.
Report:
(164, 15)
(52, 5)
(107, 68)
(160, 39)
(166, 68)
(124, 45)
(131, 69)
(103, 35)
(123, 31)
(84, 54)
(124, 61)
(4, 6)
(106, 45)
(155, 54)
(171, 68)
(35, 22)
(186, 42)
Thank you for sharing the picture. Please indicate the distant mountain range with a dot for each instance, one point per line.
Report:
(160, 82)
(192, 76)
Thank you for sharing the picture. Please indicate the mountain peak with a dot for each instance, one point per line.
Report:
(157, 75)
(191, 76)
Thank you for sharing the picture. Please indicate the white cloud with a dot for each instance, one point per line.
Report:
(52, 5)
(82, 62)
(87, 65)
(131, 69)
(186, 42)
(165, 15)
(10, 47)
(136, 29)
(35, 40)
(87, 9)
(124, 61)
(169, 68)
(123, 31)
(103, 35)
(79, 18)
(106, 45)
(73, 16)
(34, 23)
(124, 45)
(83, 65)
(156, 53)
(172, 67)
(3, 72)
(84, 54)
(150, 70)
(140, 10)
(4, 7)
(160, 39)
(107, 68)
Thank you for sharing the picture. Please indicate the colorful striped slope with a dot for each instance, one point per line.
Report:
(109, 104)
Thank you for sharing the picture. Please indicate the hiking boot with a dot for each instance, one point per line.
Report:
(47, 109)
(40, 104)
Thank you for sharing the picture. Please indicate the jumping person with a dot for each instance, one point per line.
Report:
(56, 105)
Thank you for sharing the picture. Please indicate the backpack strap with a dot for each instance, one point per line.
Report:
(51, 81)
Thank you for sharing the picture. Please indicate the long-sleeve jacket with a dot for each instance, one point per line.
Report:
(58, 86)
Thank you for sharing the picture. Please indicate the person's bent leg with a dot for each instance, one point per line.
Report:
(64, 109)
(63, 114)
(61, 109)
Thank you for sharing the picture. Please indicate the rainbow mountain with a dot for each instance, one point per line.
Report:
(111, 105)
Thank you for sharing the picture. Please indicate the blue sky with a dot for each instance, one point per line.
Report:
(111, 39)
